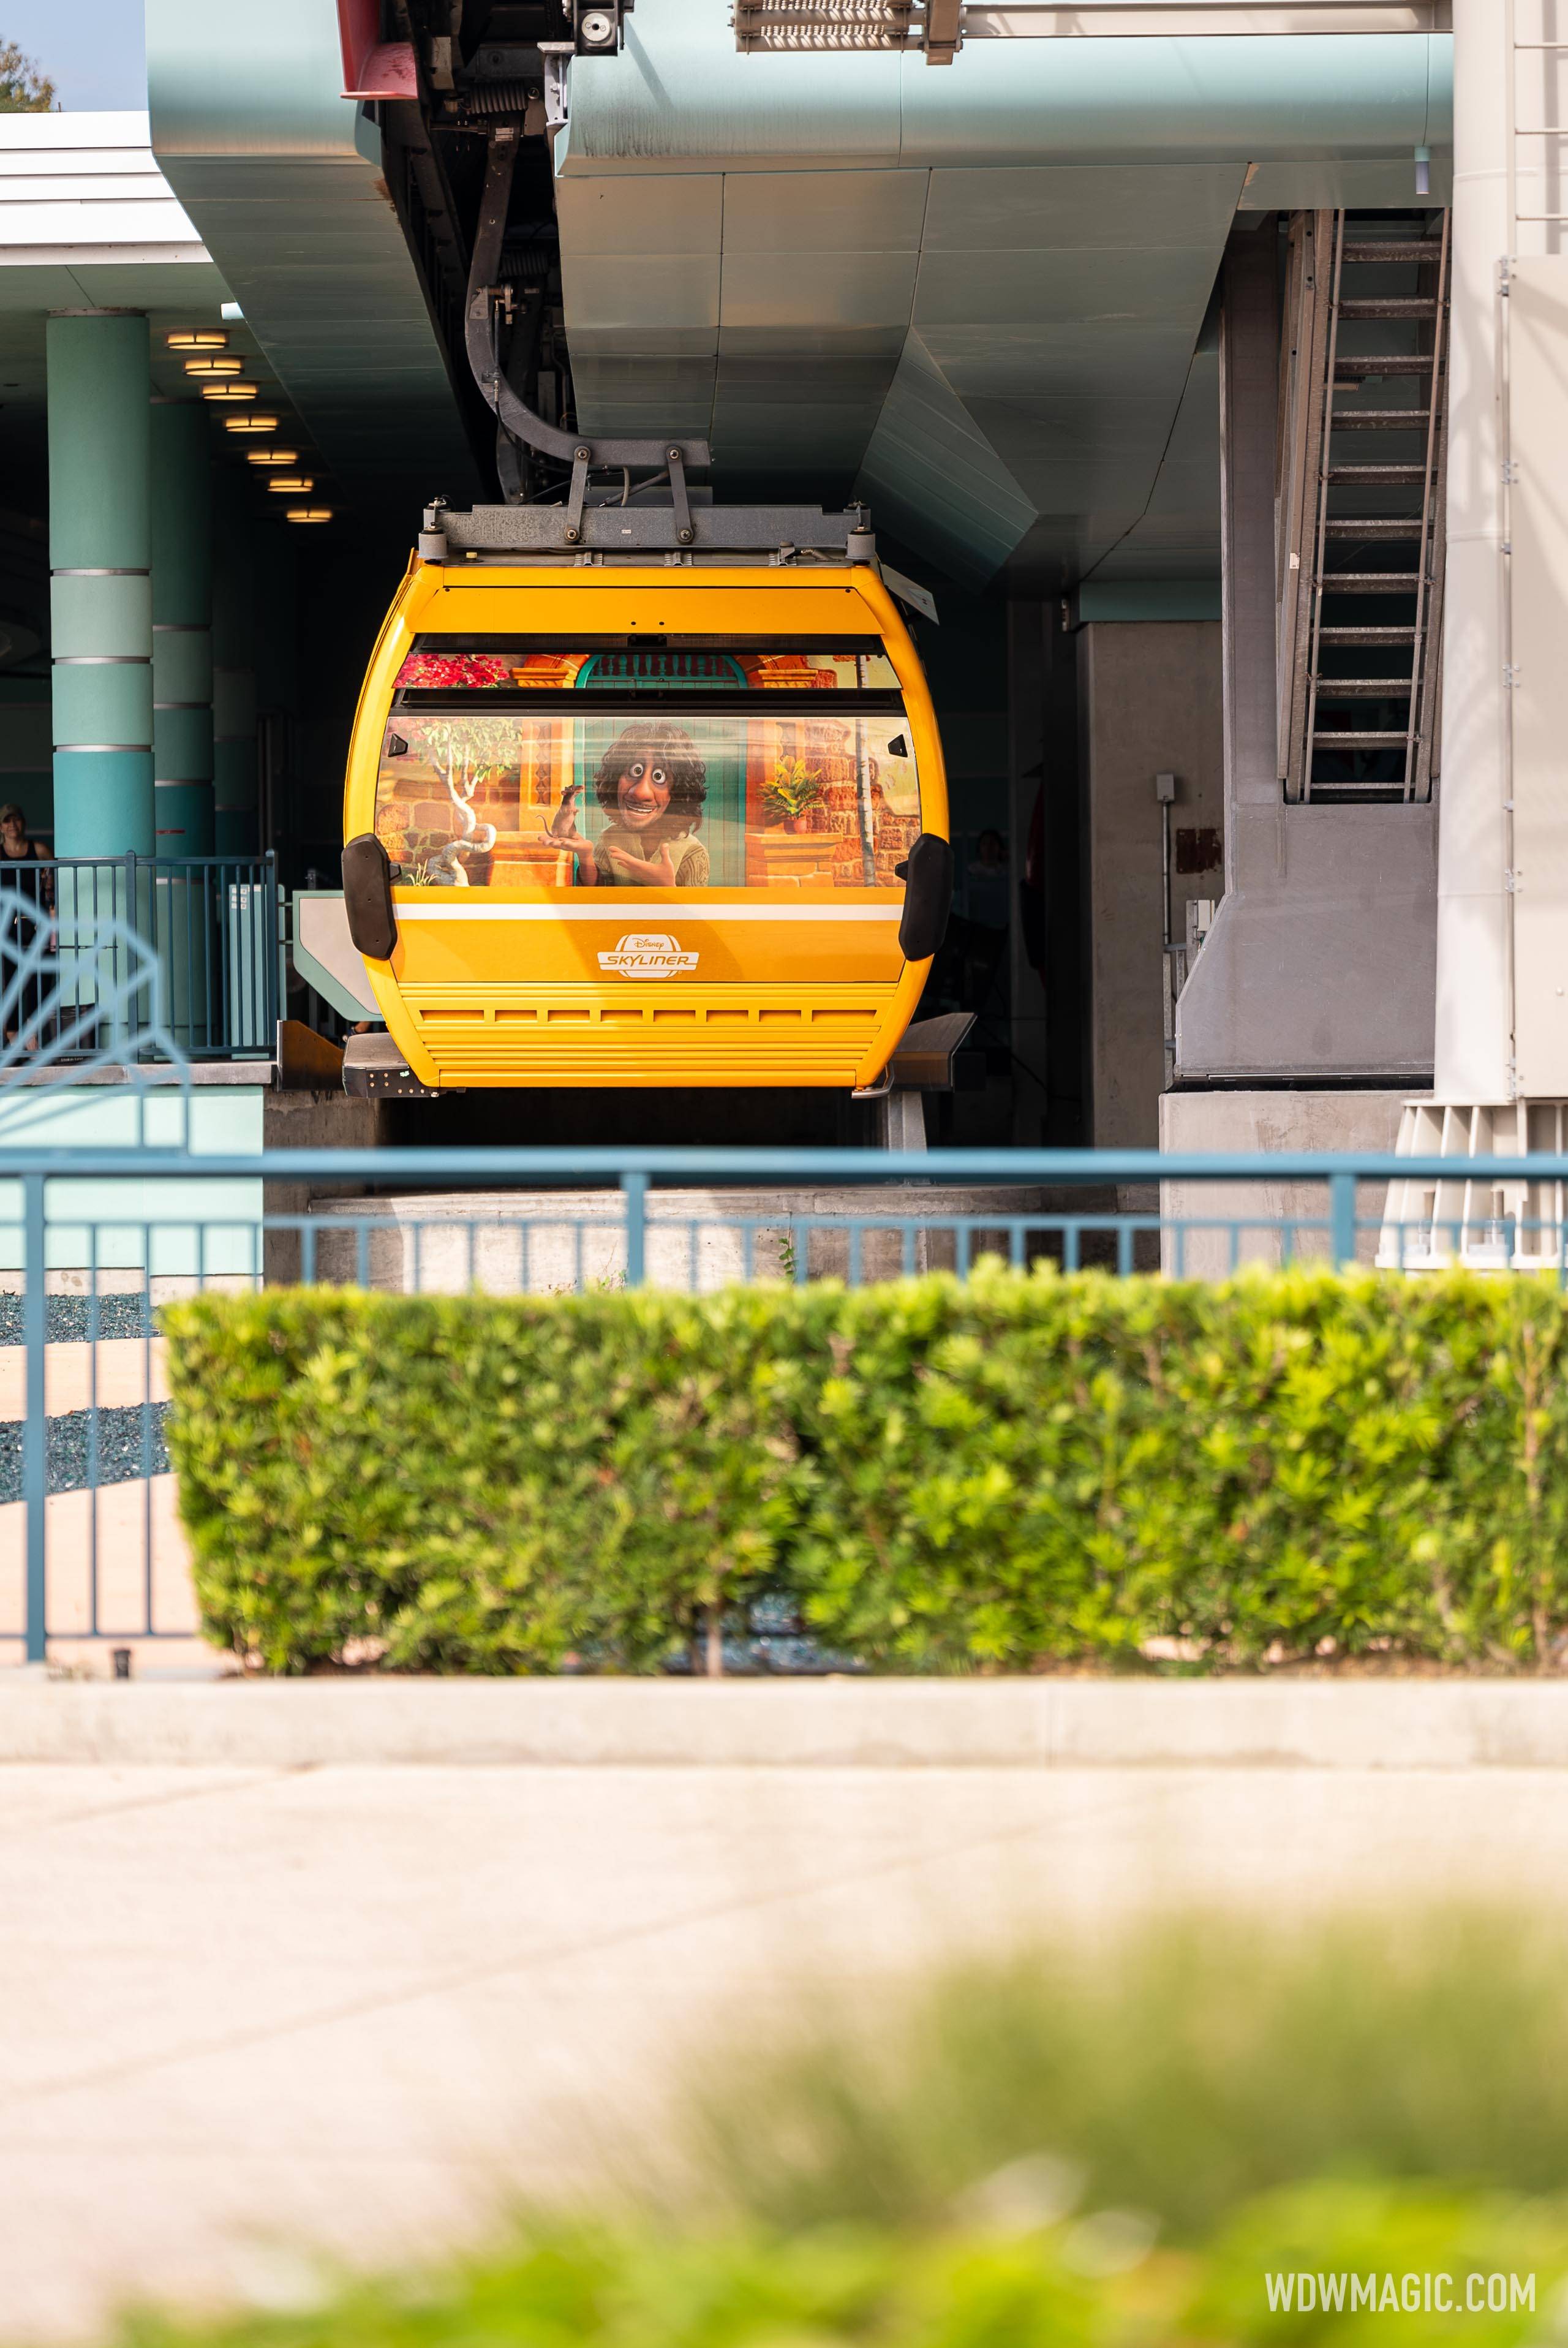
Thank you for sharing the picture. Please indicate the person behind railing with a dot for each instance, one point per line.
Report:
(29, 894)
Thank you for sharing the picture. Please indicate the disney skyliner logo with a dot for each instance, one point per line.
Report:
(1406, 2294)
(648, 954)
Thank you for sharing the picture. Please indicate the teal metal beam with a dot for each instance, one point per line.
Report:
(680, 96)
(101, 585)
(181, 629)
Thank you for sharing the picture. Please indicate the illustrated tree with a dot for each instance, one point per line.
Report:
(465, 752)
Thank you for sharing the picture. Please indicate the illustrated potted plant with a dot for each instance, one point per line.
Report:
(795, 790)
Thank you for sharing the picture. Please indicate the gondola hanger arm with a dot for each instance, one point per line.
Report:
(479, 339)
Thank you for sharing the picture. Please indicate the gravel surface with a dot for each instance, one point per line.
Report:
(120, 1454)
(67, 1319)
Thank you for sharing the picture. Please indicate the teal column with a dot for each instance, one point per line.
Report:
(235, 783)
(101, 589)
(181, 629)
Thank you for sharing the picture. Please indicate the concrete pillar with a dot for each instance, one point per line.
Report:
(1474, 1024)
(100, 589)
(1152, 703)
(234, 773)
(181, 629)
(1249, 428)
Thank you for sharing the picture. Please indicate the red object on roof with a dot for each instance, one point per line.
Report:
(373, 67)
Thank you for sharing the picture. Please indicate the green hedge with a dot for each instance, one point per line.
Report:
(947, 1476)
(1089, 2282)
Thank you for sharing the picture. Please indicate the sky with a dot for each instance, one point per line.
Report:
(92, 50)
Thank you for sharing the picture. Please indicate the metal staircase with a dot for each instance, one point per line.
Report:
(1361, 493)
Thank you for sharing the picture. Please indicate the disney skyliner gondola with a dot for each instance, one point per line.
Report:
(639, 794)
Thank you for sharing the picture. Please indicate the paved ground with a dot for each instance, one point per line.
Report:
(355, 2007)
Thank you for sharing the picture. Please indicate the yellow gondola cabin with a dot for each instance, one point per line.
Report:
(661, 823)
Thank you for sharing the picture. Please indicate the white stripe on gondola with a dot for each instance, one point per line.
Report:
(618, 909)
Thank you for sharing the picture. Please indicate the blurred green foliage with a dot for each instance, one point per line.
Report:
(1183, 2070)
(945, 1475)
(1040, 2288)
(1125, 2145)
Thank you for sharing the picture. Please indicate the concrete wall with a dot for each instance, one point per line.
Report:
(114, 1222)
(1149, 703)
(1322, 963)
(303, 1120)
(1276, 1121)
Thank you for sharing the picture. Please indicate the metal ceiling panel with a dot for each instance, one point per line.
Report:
(284, 179)
(1070, 288)
(1119, 359)
(191, 289)
(647, 289)
(667, 340)
(678, 89)
(38, 289)
(935, 477)
(797, 420)
(1292, 187)
(646, 380)
(679, 96)
(677, 213)
(1174, 537)
(1076, 206)
(626, 419)
(811, 342)
(1233, 99)
(826, 212)
(782, 291)
(773, 375)
(1031, 240)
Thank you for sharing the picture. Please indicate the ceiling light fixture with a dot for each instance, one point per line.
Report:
(228, 391)
(269, 455)
(254, 422)
(197, 338)
(293, 485)
(229, 365)
(308, 513)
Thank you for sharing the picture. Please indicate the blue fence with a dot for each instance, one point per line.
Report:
(92, 1241)
(139, 956)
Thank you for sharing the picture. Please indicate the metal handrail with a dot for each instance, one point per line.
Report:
(723, 1164)
(212, 924)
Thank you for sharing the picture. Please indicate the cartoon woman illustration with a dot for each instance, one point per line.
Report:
(651, 784)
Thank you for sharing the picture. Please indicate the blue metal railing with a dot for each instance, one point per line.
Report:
(210, 923)
(93, 1239)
